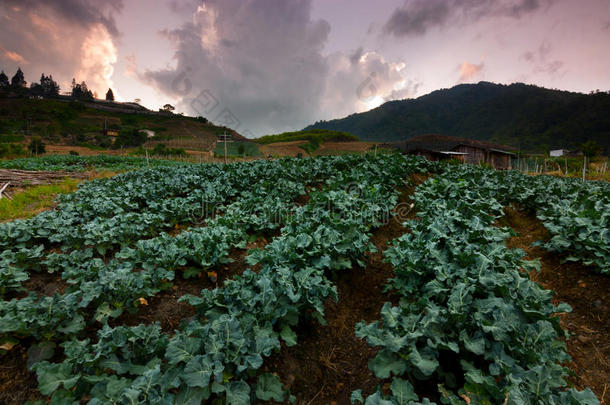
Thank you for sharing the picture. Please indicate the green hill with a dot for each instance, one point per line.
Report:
(68, 122)
(315, 138)
(527, 117)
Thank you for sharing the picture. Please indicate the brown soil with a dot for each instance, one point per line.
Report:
(282, 149)
(165, 308)
(331, 148)
(585, 291)
(45, 284)
(83, 151)
(17, 384)
(329, 362)
(40, 283)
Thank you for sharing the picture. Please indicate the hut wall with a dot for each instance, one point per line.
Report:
(500, 160)
(474, 155)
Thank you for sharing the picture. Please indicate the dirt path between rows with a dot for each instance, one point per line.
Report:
(585, 291)
(330, 362)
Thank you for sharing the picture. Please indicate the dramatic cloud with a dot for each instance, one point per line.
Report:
(415, 17)
(542, 61)
(65, 38)
(469, 71)
(259, 67)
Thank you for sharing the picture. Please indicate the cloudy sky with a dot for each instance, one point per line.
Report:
(266, 66)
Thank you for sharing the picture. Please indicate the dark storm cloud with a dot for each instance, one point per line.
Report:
(78, 12)
(259, 67)
(65, 38)
(416, 17)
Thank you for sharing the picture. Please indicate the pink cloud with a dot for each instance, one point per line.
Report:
(14, 56)
(469, 71)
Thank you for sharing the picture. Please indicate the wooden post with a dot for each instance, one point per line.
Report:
(375, 150)
(566, 162)
(584, 167)
(147, 163)
(225, 141)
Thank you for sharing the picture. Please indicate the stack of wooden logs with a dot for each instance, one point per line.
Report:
(19, 178)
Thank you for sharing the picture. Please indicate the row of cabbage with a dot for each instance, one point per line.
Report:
(71, 163)
(576, 213)
(471, 326)
(219, 352)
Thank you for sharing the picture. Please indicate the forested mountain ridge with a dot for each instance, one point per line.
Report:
(527, 117)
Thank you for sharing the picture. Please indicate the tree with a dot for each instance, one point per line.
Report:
(130, 138)
(3, 80)
(36, 146)
(590, 149)
(168, 108)
(51, 87)
(109, 95)
(46, 87)
(81, 91)
(19, 79)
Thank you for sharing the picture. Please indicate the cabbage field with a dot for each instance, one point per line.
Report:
(468, 325)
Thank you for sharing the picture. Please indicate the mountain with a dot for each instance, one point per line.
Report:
(528, 117)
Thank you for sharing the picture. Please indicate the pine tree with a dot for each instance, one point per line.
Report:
(53, 86)
(109, 95)
(3, 80)
(19, 79)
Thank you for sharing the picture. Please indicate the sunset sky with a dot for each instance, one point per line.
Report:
(267, 66)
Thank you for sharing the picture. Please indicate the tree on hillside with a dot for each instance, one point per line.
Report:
(590, 149)
(19, 79)
(46, 87)
(129, 139)
(3, 80)
(81, 91)
(168, 108)
(109, 95)
(49, 86)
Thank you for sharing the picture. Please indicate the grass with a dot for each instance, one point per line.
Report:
(249, 148)
(32, 201)
(314, 136)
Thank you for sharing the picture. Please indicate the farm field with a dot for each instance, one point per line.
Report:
(336, 279)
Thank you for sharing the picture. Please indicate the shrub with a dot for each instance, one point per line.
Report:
(36, 146)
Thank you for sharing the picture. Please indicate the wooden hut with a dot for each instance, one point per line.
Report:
(442, 147)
